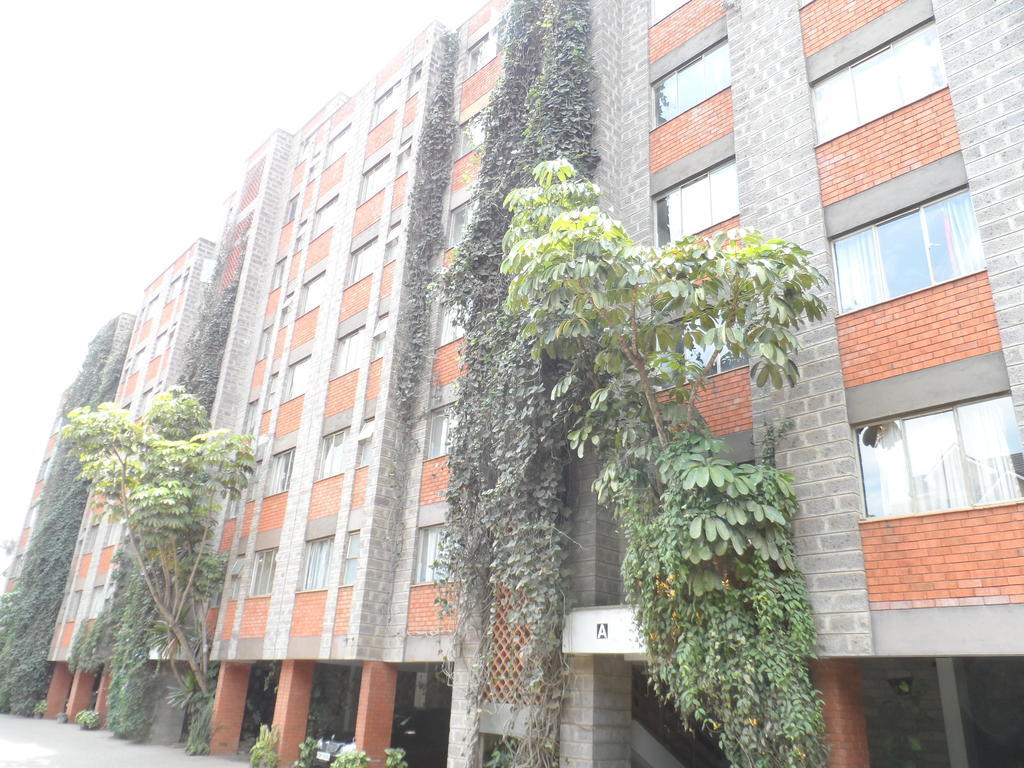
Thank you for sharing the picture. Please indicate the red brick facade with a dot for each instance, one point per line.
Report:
(839, 681)
(825, 21)
(695, 128)
(682, 24)
(424, 614)
(308, 613)
(291, 708)
(376, 709)
(229, 707)
(725, 404)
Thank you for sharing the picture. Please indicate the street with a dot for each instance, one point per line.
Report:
(29, 743)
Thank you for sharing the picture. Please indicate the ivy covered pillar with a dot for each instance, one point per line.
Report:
(60, 684)
(846, 733)
(229, 707)
(102, 695)
(81, 693)
(597, 713)
(291, 709)
(376, 709)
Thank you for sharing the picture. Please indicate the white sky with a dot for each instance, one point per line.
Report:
(125, 126)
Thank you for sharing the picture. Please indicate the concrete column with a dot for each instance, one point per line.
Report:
(229, 707)
(376, 709)
(846, 730)
(60, 684)
(81, 693)
(464, 728)
(597, 713)
(102, 695)
(291, 710)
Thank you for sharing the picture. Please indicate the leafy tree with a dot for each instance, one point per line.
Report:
(709, 565)
(164, 476)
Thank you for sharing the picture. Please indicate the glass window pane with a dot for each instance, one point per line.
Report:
(861, 280)
(995, 467)
(904, 259)
(953, 241)
(666, 102)
(690, 86)
(876, 87)
(716, 69)
(918, 64)
(724, 194)
(696, 205)
(884, 468)
(669, 218)
(937, 476)
(834, 107)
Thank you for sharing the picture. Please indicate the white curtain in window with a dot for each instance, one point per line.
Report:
(716, 69)
(952, 224)
(861, 280)
(935, 467)
(990, 442)
(884, 463)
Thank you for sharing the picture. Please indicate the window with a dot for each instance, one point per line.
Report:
(471, 136)
(438, 434)
(935, 243)
(322, 220)
(277, 278)
(696, 205)
(338, 146)
(888, 79)
(291, 209)
(313, 168)
(252, 413)
(145, 402)
(73, 605)
(426, 554)
(350, 352)
(964, 456)
(296, 379)
(264, 346)
(174, 289)
(450, 328)
(373, 181)
(263, 570)
(690, 85)
(271, 388)
(161, 344)
(391, 250)
(331, 448)
(377, 348)
(402, 161)
(415, 75)
(348, 568)
(457, 222)
(281, 471)
(361, 263)
(364, 452)
(385, 105)
(482, 52)
(318, 563)
(300, 236)
(312, 294)
(724, 362)
(662, 8)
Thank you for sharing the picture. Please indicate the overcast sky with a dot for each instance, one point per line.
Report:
(125, 127)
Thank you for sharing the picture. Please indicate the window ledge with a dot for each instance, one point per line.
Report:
(933, 513)
(850, 312)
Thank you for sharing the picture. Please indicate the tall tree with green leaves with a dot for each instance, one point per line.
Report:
(165, 477)
(709, 563)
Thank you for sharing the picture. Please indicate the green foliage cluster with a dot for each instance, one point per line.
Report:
(394, 757)
(29, 613)
(307, 753)
(709, 564)
(89, 719)
(263, 753)
(506, 535)
(353, 758)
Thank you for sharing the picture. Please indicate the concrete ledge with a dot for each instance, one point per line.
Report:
(268, 539)
(317, 269)
(975, 630)
(460, 197)
(301, 351)
(249, 649)
(887, 198)
(285, 442)
(695, 45)
(304, 647)
(696, 162)
(341, 420)
(368, 234)
(356, 519)
(319, 527)
(433, 514)
(354, 323)
(875, 33)
(741, 446)
(446, 395)
(965, 379)
(428, 648)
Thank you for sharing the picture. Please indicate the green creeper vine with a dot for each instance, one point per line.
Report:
(709, 565)
(28, 615)
(505, 542)
(204, 351)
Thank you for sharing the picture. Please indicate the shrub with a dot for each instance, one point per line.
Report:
(395, 758)
(89, 719)
(307, 751)
(39, 710)
(264, 752)
(356, 758)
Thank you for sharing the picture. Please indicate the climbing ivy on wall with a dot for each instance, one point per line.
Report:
(204, 350)
(29, 613)
(505, 542)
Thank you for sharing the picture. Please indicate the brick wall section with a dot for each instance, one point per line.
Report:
(332, 175)
(247, 516)
(448, 363)
(227, 535)
(356, 298)
(390, 69)
(387, 279)
(343, 610)
(912, 136)
(168, 312)
(67, 635)
(57, 693)
(480, 82)
(341, 393)
(298, 174)
(153, 369)
(294, 269)
(229, 619)
(129, 386)
(305, 328)
(380, 135)
(376, 709)
(946, 322)
(308, 613)
(409, 114)
(343, 113)
(254, 617)
(359, 481)
(258, 372)
(679, 26)
(319, 249)
(272, 513)
(325, 499)
(725, 404)
(727, 224)
(83, 565)
(465, 170)
(106, 555)
(434, 480)
(481, 17)
(291, 709)
(81, 693)
(398, 192)
(373, 379)
(229, 707)
(282, 337)
(825, 21)
(272, 301)
(284, 242)
(289, 415)
(842, 696)
(695, 128)
(265, 422)
(967, 557)
(424, 617)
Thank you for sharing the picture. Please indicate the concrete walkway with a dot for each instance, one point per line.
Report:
(27, 743)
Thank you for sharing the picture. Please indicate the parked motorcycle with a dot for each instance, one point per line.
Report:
(328, 749)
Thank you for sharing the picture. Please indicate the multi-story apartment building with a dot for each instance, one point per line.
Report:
(883, 136)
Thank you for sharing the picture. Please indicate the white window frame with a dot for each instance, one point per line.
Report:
(703, 178)
(428, 541)
(691, 66)
(296, 378)
(264, 569)
(384, 105)
(350, 562)
(332, 452)
(317, 570)
(361, 263)
(437, 433)
(349, 351)
(319, 288)
(486, 46)
(281, 471)
(322, 218)
(338, 146)
(374, 180)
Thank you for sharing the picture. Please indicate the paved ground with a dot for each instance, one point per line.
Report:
(27, 743)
